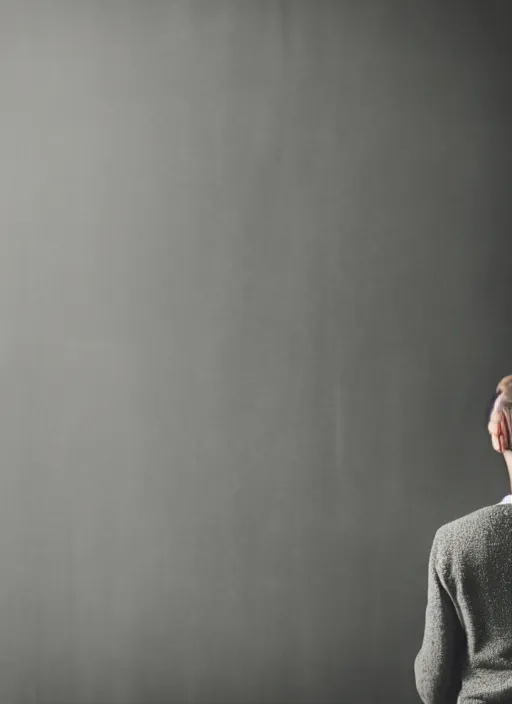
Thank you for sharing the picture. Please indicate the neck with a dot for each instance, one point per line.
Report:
(507, 456)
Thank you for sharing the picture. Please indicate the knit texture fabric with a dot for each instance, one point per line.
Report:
(466, 654)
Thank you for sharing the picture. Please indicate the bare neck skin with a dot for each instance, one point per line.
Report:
(507, 456)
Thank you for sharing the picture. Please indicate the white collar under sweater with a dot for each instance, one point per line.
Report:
(507, 499)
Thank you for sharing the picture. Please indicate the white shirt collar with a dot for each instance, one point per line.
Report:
(507, 499)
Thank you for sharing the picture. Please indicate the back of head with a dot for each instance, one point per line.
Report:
(500, 421)
(505, 387)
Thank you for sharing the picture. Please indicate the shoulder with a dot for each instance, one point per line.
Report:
(476, 520)
(469, 529)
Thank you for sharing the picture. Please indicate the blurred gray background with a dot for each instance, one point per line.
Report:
(254, 296)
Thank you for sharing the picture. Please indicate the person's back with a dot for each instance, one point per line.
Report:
(474, 560)
(466, 654)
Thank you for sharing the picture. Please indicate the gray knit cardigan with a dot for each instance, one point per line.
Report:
(466, 654)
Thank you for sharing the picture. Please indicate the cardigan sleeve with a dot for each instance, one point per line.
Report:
(437, 666)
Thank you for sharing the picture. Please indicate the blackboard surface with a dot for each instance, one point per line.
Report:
(251, 310)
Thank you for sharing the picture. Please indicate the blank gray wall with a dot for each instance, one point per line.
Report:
(250, 317)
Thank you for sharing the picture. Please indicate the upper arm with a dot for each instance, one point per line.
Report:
(437, 665)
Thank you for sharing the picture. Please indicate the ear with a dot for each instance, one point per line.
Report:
(505, 430)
